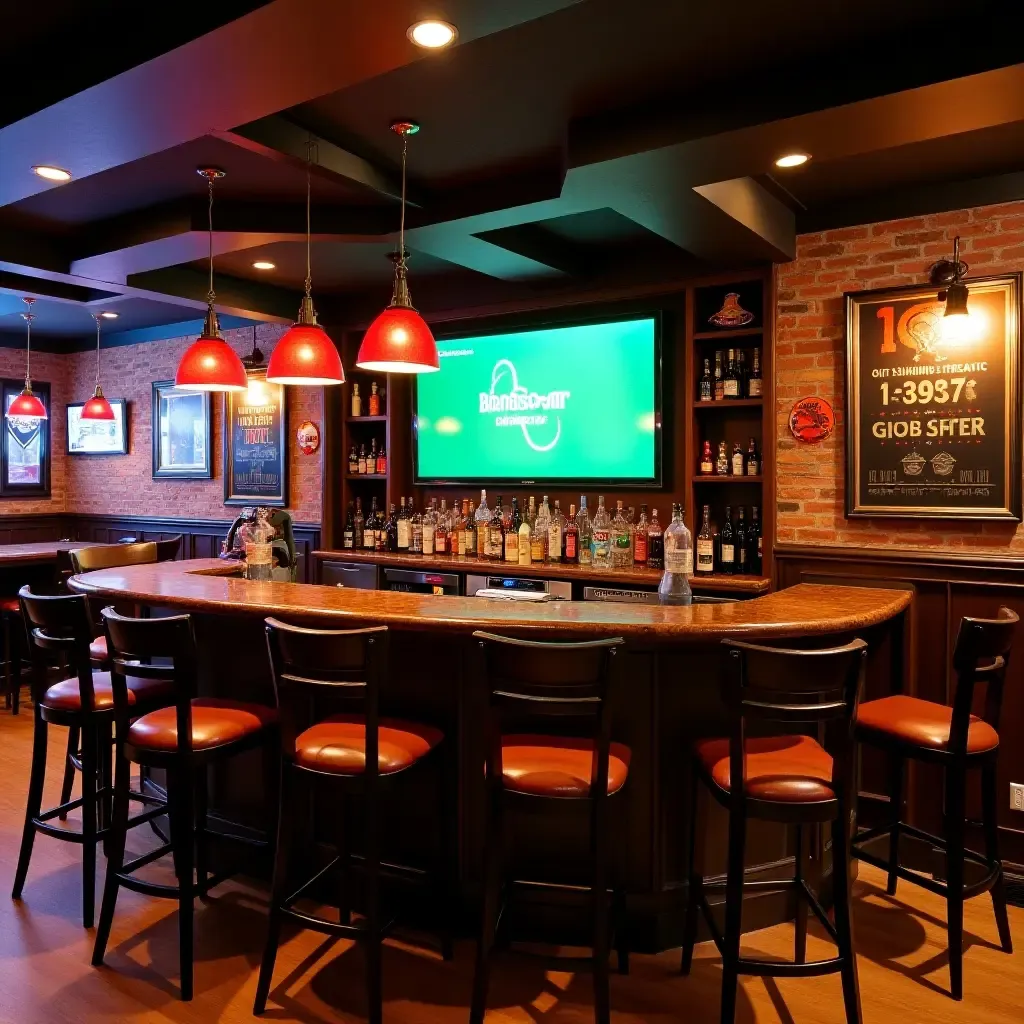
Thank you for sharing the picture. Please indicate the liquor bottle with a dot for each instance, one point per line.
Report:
(441, 530)
(371, 459)
(674, 587)
(621, 555)
(511, 524)
(429, 528)
(353, 461)
(357, 402)
(741, 370)
(380, 537)
(736, 462)
(525, 540)
(471, 531)
(586, 532)
(754, 543)
(374, 399)
(753, 459)
(754, 382)
(719, 377)
(731, 381)
(415, 532)
(655, 543)
(382, 461)
(483, 522)
(361, 465)
(631, 523)
(722, 462)
(727, 545)
(496, 533)
(349, 539)
(571, 539)
(370, 532)
(404, 534)
(640, 539)
(357, 525)
(601, 537)
(555, 530)
(391, 530)
(539, 536)
(742, 554)
(707, 384)
(531, 514)
(456, 531)
(707, 460)
(705, 546)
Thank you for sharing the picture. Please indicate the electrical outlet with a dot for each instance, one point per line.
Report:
(1016, 796)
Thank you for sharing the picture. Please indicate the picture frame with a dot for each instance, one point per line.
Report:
(932, 417)
(25, 447)
(97, 437)
(256, 444)
(181, 433)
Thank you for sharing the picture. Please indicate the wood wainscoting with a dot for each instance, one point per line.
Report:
(947, 586)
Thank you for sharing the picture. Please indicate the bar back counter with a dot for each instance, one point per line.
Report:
(669, 695)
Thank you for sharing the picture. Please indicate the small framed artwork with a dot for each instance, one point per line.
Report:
(256, 444)
(181, 433)
(25, 450)
(98, 437)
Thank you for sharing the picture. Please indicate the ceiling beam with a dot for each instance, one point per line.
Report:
(236, 297)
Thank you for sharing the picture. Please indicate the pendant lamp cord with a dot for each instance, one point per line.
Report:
(29, 317)
(210, 296)
(97, 319)
(309, 166)
(401, 226)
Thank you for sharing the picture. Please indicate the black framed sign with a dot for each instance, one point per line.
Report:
(25, 451)
(933, 425)
(255, 444)
(181, 433)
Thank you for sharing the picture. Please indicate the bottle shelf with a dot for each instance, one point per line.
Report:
(714, 478)
(729, 403)
(366, 476)
(366, 419)
(733, 332)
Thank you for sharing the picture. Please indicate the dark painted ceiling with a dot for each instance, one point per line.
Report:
(567, 145)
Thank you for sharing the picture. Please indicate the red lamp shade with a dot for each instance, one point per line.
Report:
(26, 407)
(97, 408)
(398, 341)
(305, 355)
(210, 364)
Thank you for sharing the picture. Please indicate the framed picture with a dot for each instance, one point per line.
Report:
(25, 451)
(97, 437)
(933, 415)
(256, 444)
(181, 433)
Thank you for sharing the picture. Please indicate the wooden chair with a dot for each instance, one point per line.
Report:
(909, 728)
(357, 753)
(547, 682)
(789, 778)
(169, 548)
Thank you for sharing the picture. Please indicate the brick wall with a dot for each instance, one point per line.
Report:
(810, 359)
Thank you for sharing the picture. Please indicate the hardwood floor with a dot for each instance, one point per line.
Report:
(46, 976)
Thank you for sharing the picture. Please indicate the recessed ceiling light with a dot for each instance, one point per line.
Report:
(264, 265)
(433, 35)
(109, 314)
(792, 160)
(52, 173)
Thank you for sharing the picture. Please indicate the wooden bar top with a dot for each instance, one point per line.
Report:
(205, 585)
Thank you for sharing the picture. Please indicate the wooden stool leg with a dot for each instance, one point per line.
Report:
(733, 913)
(956, 778)
(990, 797)
(896, 779)
(33, 804)
(69, 768)
(842, 901)
(202, 823)
(8, 657)
(343, 848)
(374, 982)
(90, 812)
(182, 814)
(599, 854)
(800, 946)
(115, 855)
(448, 890)
(694, 883)
(493, 857)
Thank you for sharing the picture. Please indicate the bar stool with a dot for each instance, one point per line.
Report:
(184, 737)
(359, 752)
(60, 628)
(527, 681)
(789, 778)
(13, 636)
(910, 728)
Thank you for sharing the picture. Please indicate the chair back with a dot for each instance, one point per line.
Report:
(59, 628)
(346, 666)
(981, 655)
(110, 556)
(795, 688)
(168, 549)
(538, 680)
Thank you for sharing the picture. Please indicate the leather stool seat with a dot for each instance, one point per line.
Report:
(557, 766)
(215, 723)
(10, 606)
(66, 695)
(786, 769)
(920, 723)
(337, 745)
(98, 649)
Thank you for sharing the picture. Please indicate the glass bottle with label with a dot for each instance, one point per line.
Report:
(705, 546)
(640, 538)
(754, 543)
(631, 522)
(471, 530)
(707, 384)
(731, 381)
(601, 537)
(349, 536)
(655, 543)
(727, 545)
(742, 552)
(429, 528)
(370, 532)
(357, 525)
(707, 459)
(374, 399)
(441, 530)
(357, 402)
(361, 464)
(754, 381)
(415, 532)
(674, 587)
(586, 532)
(555, 528)
(741, 370)
(371, 459)
(496, 534)
(257, 541)
(539, 536)
(391, 530)
(753, 459)
(380, 537)
(722, 462)
(512, 534)
(404, 531)
(736, 461)
(571, 539)
(353, 460)
(483, 521)
(382, 461)
(457, 530)
(621, 556)
(525, 541)
(719, 377)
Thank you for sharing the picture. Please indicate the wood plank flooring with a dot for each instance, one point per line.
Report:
(45, 975)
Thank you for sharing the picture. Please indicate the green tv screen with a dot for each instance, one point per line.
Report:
(562, 404)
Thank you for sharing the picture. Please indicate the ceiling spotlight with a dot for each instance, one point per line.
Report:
(793, 160)
(263, 265)
(52, 173)
(109, 314)
(433, 35)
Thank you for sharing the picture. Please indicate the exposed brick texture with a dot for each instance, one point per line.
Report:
(810, 359)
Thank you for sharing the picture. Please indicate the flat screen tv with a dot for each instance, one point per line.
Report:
(575, 403)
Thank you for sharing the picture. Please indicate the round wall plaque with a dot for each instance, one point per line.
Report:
(308, 437)
(812, 420)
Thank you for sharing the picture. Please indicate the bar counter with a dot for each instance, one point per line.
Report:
(669, 696)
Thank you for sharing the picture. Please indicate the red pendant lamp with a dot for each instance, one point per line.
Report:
(27, 406)
(97, 408)
(399, 340)
(210, 363)
(305, 355)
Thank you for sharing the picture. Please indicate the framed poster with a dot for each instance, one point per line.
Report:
(255, 444)
(181, 433)
(933, 419)
(25, 450)
(97, 437)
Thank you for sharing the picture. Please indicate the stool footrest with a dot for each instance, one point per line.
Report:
(345, 931)
(147, 858)
(71, 805)
(788, 969)
(297, 895)
(68, 835)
